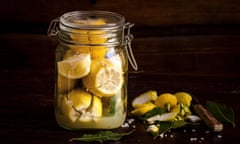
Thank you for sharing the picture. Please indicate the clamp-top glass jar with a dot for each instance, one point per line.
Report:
(91, 69)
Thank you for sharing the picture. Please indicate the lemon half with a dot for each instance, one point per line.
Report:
(75, 67)
(105, 79)
(82, 106)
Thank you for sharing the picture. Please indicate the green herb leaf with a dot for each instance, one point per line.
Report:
(153, 112)
(164, 127)
(101, 136)
(221, 112)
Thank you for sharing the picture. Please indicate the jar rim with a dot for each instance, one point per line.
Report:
(112, 20)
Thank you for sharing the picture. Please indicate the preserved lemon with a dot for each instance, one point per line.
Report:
(74, 67)
(82, 106)
(104, 79)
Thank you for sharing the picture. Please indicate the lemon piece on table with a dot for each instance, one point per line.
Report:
(163, 117)
(145, 97)
(75, 67)
(166, 99)
(176, 108)
(184, 98)
(141, 109)
(104, 79)
(82, 106)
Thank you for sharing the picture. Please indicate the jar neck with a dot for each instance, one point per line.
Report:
(110, 37)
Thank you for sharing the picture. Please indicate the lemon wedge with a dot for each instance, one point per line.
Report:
(82, 106)
(104, 79)
(145, 97)
(75, 67)
(141, 109)
(163, 117)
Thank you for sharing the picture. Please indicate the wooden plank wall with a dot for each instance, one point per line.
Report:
(172, 15)
(186, 37)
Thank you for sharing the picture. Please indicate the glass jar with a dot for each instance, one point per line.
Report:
(91, 69)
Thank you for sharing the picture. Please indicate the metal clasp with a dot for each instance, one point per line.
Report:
(53, 28)
(128, 40)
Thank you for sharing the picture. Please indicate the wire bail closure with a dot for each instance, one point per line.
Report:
(53, 30)
(128, 39)
(53, 27)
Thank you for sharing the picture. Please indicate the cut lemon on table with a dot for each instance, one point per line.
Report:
(82, 106)
(75, 67)
(166, 100)
(77, 49)
(104, 79)
(184, 98)
(145, 97)
(141, 109)
(163, 117)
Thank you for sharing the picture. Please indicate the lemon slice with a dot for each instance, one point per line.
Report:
(104, 79)
(145, 97)
(141, 109)
(75, 67)
(163, 117)
(82, 106)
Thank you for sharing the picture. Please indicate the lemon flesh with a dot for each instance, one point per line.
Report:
(82, 106)
(75, 67)
(104, 79)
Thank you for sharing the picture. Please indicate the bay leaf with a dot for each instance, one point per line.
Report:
(101, 136)
(221, 112)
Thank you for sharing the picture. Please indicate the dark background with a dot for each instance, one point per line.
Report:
(179, 45)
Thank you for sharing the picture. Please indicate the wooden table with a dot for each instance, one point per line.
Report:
(206, 66)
